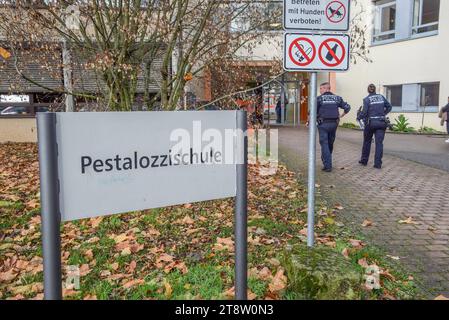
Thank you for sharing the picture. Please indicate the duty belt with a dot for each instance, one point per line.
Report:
(380, 118)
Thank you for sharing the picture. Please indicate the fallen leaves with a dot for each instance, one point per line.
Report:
(367, 223)
(393, 257)
(8, 276)
(185, 221)
(132, 266)
(363, 262)
(69, 292)
(278, 282)
(224, 244)
(162, 259)
(95, 222)
(126, 243)
(84, 270)
(132, 283)
(89, 254)
(339, 207)
(357, 244)
(126, 256)
(168, 263)
(168, 290)
(125, 252)
(27, 289)
(409, 220)
(119, 238)
(230, 294)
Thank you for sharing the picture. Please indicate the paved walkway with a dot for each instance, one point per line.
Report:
(402, 189)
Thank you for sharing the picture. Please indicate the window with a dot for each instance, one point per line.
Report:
(14, 98)
(414, 97)
(425, 16)
(273, 16)
(258, 16)
(27, 105)
(15, 111)
(429, 94)
(384, 21)
(394, 95)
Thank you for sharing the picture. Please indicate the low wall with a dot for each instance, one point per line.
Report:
(18, 130)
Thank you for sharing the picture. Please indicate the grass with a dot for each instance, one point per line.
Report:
(349, 125)
(121, 254)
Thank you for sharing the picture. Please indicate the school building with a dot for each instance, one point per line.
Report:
(408, 42)
(408, 46)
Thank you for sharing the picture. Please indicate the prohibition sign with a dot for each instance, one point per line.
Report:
(335, 56)
(308, 57)
(333, 13)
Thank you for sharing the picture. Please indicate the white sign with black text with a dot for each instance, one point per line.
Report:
(121, 162)
(316, 15)
(305, 52)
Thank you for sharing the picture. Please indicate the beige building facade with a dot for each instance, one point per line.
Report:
(409, 46)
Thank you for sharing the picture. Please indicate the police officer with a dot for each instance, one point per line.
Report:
(328, 117)
(375, 109)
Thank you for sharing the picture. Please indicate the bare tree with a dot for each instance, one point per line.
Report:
(120, 40)
(125, 44)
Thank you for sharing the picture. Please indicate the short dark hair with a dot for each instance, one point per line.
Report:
(325, 84)
(372, 88)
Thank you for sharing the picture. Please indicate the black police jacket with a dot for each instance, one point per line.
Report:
(328, 105)
(446, 109)
(375, 105)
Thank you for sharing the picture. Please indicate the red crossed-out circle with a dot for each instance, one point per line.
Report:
(331, 16)
(338, 60)
(308, 58)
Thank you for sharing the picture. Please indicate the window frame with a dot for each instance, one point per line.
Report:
(420, 85)
(378, 22)
(415, 28)
(246, 25)
(31, 106)
(387, 88)
(418, 93)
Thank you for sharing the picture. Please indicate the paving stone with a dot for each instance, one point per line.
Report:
(402, 189)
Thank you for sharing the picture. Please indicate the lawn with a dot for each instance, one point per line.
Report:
(184, 252)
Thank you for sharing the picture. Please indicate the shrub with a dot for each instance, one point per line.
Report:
(402, 125)
(350, 126)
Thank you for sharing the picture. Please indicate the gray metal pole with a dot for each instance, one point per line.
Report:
(50, 212)
(312, 158)
(241, 216)
(283, 100)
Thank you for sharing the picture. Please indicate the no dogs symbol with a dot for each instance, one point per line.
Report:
(335, 11)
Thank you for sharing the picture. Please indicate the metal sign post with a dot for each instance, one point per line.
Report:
(312, 159)
(66, 155)
(241, 215)
(308, 49)
(50, 210)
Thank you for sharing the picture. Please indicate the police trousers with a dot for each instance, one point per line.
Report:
(327, 131)
(377, 130)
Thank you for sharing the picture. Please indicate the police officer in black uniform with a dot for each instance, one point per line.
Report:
(328, 117)
(375, 109)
